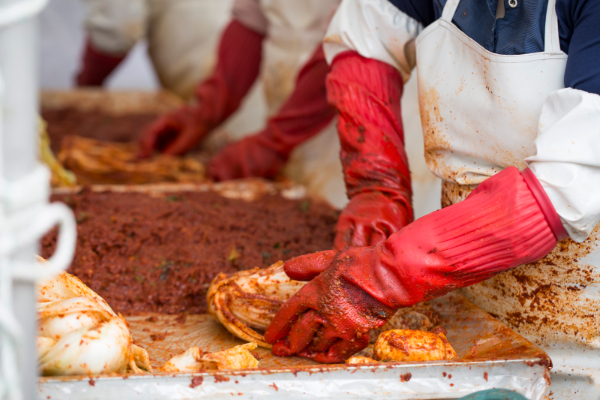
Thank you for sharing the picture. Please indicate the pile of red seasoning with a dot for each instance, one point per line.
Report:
(159, 254)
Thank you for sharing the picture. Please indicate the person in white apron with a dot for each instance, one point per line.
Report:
(512, 126)
(282, 37)
(182, 36)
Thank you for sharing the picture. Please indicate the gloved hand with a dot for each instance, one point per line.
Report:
(369, 219)
(367, 95)
(304, 114)
(507, 221)
(175, 133)
(219, 96)
(96, 66)
(249, 157)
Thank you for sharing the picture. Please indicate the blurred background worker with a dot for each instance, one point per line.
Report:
(181, 35)
(283, 38)
(286, 37)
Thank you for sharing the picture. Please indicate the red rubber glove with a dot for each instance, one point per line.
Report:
(96, 66)
(507, 221)
(304, 114)
(367, 95)
(369, 219)
(239, 57)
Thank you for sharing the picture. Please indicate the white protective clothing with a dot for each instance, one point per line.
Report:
(293, 31)
(182, 35)
(482, 112)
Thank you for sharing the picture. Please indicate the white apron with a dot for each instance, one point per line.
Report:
(295, 30)
(182, 35)
(480, 114)
(182, 40)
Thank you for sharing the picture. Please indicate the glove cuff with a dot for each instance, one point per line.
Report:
(497, 227)
(500, 225)
(545, 204)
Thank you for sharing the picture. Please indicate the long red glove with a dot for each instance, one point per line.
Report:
(96, 66)
(239, 57)
(507, 221)
(367, 95)
(304, 114)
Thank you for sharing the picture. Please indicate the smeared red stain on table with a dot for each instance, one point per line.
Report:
(196, 381)
(221, 378)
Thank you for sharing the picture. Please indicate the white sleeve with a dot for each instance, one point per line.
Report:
(567, 162)
(375, 29)
(250, 14)
(115, 26)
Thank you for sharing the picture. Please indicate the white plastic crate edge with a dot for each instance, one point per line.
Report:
(20, 10)
(401, 382)
(25, 216)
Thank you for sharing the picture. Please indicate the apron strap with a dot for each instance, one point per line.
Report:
(449, 10)
(552, 39)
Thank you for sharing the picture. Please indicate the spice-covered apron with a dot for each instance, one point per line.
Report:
(480, 113)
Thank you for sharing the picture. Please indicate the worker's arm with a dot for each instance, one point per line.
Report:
(507, 221)
(567, 158)
(304, 114)
(113, 27)
(367, 94)
(219, 96)
(365, 44)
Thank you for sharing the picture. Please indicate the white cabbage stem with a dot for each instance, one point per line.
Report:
(195, 360)
(100, 349)
(248, 300)
(79, 334)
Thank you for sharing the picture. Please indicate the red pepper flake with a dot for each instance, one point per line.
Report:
(485, 376)
(274, 386)
(219, 378)
(196, 381)
(181, 319)
(92, 382)
(158, 336)
(406, 377)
